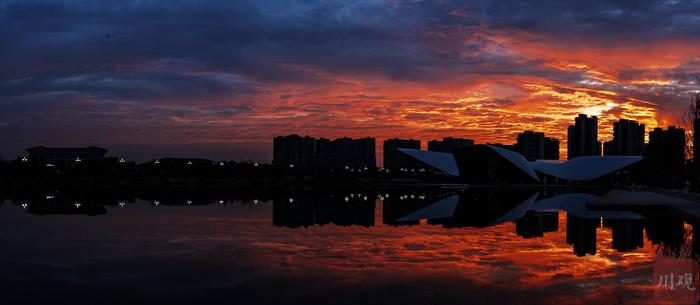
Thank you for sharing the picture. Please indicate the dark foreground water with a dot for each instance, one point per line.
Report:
(486, 247)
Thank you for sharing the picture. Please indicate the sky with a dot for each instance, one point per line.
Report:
(220, 79)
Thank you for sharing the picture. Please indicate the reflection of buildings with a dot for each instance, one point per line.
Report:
(535, 224)
(535, 146)
(449, 144)
(397, 206)
(355, 209)
(482, 208)
(627, 234)
(666, 230)
(65, 155)
(628, 139)
(393, 158)
(306, 152)
(583, 137)
(581, 233)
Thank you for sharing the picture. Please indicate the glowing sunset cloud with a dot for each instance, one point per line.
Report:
(220, 79)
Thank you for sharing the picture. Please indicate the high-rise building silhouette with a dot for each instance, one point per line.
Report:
(628, 139)
(664, 156)
(449, 144)
(583, 137)
(354, 153)
(551, 149)
(305, 152)
(293, 151)
(696, 129)
(535, 146)
(324, 153)
(393, 158)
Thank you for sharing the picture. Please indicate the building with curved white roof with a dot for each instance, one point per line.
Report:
(469, 161)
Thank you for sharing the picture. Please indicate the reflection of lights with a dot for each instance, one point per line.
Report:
(255, 164)
(421, 196)
(291, 165)
(221, 163)
(291, 200)
(364, 198)
(189, 162)
(49, 165)
(24, 205)
(386, 195)
(49, 196)
(255, 201)
(78, 160)
(189, 202)
(24, 159)
(347, 199)
(77, 205)
(381, 197)
(122, 160)
(221, 202)
(413, 196)
(122, 204)
(347, 167)
(156, 162)
(156, 203)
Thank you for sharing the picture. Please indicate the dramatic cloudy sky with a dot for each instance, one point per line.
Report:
(219, 79)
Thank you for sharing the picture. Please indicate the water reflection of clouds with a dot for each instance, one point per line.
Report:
(220, 246)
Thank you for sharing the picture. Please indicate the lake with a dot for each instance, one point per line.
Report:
(397, 246)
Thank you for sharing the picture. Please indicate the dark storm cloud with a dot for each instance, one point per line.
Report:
(269, 40)
(263, 40)
(598, 20)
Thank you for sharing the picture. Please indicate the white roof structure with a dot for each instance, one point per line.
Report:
(517, 160)
(578, 169)
(442, 161)
(585, 167)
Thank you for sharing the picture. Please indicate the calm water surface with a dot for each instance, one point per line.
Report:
(340, 248)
